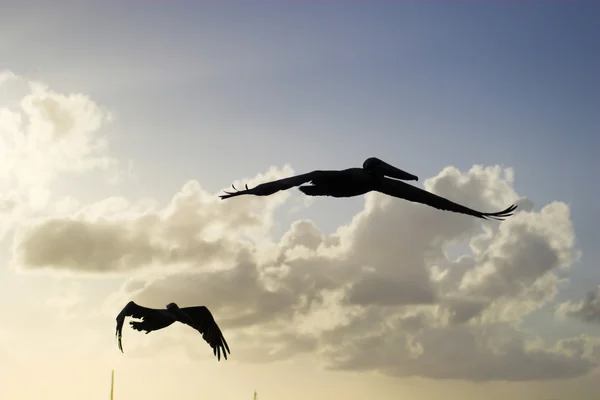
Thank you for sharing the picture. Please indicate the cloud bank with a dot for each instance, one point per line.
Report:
(381, 293)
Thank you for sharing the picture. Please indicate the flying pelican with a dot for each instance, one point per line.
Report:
(375, 175)
(154, 319)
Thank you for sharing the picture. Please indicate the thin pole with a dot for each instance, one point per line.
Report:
(112, 384)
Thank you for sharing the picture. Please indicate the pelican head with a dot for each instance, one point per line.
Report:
(176, 311)
(375, 166)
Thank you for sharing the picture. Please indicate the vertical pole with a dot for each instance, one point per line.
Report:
(112, 384)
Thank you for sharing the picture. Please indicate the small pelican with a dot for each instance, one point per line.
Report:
(375, 175)
(154, 319)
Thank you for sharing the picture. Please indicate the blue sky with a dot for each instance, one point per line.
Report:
(407, 75)
(329, 85)
(219, 91)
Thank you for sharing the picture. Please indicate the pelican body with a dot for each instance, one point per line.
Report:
(199, 318)
(375, 175)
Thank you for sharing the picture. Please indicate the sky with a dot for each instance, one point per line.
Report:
(122, 121)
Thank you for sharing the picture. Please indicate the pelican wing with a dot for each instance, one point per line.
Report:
(206, 325)
(269, 188)
(411, 193)
(153, 319)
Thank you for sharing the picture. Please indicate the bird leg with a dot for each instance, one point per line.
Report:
(140, 326)
(236, 193)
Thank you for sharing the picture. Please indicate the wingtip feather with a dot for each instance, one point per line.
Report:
(500, 215)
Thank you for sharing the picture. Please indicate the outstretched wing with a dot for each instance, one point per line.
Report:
(408, 192)
(206, 325)
(153, 319)
(269, 188)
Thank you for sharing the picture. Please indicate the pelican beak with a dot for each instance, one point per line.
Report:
(393, 172)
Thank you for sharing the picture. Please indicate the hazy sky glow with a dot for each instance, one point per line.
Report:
(120, 123)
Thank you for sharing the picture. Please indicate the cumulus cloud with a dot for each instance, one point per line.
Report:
(10, 209)
(44, 133)
(380, 293)
(475, 353)
(8, 203)
(587, 310)
(115, 235)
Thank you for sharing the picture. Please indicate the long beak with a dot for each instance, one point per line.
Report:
(393, 172)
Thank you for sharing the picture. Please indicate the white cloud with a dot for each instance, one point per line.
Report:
(8, 203)
(11, 206)
(7, 76)
(380, 293)
(476, 353)
(587, 309)
(44, 133)
(114, 235)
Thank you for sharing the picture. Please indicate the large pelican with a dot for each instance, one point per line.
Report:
(154, 319)
(373, 176)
